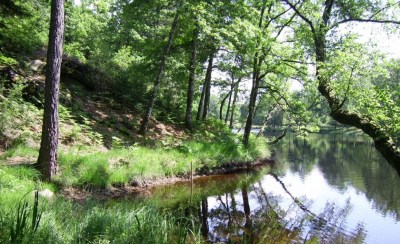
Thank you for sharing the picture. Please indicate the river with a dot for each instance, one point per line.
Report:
(325, 188)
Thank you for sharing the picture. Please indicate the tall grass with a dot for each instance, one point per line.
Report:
(95, 222)
(59, 220)
(126, 165)
(87, 167)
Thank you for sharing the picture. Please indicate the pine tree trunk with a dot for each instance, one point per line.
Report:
(208, 86)
(160, 72)
(192, 76)
(47, 160)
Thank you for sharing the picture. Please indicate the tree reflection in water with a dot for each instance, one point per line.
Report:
(344, 161)
(258, 218)
(247, 214)
(258, 207)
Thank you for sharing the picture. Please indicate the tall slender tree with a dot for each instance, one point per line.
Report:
(192, 76)
(256, 78)
(160, 72)
(207, 85)
(47, 160)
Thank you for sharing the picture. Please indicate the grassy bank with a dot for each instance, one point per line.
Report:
(84, 167)
(65, 221)
(59, 220)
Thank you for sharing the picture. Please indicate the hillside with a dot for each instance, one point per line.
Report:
(87, 117)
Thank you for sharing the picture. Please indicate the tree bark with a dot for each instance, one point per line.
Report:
(47, 160)
(207, 83)
(192, 77)
(160, 72)
(221, 107)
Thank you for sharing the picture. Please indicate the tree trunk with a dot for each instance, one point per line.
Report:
(160, 72)
(192, 74)
(47, 160)
(252, 107)
(257, 62)
(230, 99)
(201, 102)
(207, 83)
(234, 103)
(221, 107)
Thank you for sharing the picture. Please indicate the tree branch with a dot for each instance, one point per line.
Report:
(301, 15)
(368, 20)
(327, 11)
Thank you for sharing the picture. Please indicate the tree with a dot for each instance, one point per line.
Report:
(192, 77)
(332, 14)
(47, 160)
(268, 53)
(17, 20)
(206, 89)
(160, 71)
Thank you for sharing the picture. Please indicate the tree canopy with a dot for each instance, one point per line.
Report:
(231, 60)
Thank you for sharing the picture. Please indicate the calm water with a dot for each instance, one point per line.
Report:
(334, 188)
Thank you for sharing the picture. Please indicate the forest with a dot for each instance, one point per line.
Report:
(129, 121)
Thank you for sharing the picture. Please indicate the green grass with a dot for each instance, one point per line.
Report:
(20, 150)
(125, 165)
(85, 166)
(64, 221)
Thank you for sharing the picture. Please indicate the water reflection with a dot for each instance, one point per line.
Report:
(248, 212)
(346, 162)
(323, 189)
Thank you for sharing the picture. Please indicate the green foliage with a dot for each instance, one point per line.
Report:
(26, 31)
(16, 117)
(7, 61)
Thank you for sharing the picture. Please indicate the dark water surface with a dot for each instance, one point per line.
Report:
(329, 188)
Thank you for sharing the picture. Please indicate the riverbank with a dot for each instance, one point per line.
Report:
(144, 187)
(82, 209)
